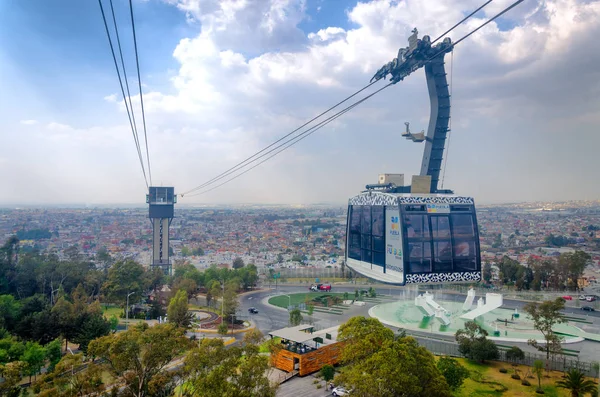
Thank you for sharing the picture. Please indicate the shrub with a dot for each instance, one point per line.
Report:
(319, 386)
(539, 391)
(503, 370)
(525, 382)
(515, 376)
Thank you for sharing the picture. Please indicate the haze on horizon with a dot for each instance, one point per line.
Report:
(224, 79)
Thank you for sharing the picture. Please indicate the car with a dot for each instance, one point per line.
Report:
(252, 310)
(567, 298)
(588, 308)
(581, 297)
(590, 298)
(340, 391)
(320, 287)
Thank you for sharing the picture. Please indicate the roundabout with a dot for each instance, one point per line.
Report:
(501, 324)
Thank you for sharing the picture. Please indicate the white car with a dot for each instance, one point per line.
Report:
(340, 391)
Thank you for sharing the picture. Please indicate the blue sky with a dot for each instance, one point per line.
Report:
(222, 79)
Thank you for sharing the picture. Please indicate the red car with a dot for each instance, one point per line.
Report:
(320, 287)
(567, 298)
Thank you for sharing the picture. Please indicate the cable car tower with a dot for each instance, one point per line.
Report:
(417, 233)
(161, 202)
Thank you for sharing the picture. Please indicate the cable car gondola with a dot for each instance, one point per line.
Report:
(416, 234)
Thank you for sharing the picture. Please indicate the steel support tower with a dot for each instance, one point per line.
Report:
(161, 202)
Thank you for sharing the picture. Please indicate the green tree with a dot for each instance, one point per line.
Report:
(140, 356)
(178, 312)
(124, 277)
(238, 263)
(327, 372)
(230, 301)
(66, 319)
(473, 343)
(576, 383)
(91, 324)
(379, 365)
(515, 354)
(33, 357)
(487, 273)
(11, 372)
(545, 316)
(212, 370)
(363, 337)
(310, 309)
(454, 373)
(222, 329)
(538, 370)
(53, 353)
(295, 317)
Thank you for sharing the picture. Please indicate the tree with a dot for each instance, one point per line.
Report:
(187, 285)
(378, 365)
(64, 312)
(211, 370)
(576, 383)
(33, 357)
(364, 336)
(177, 312)
(230, 301)
(473, 343)
(124, 277)
(327, 372)
(86, 382)
(140, 355)
(538, 370)
(487, 273)
(545, 315)
(295, 317)
(515, 354)
(90, 325)
(310, 309)
(454, 373)
(53, 353)
(11, 372)
(238, 263)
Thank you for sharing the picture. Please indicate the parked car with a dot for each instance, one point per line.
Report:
(252, 310)
(588, 308)
(340, 391)
(590, 298)
(567, 298)
(581, 297)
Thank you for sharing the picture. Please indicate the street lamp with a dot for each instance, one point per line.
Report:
(289, 301)
(127, 312)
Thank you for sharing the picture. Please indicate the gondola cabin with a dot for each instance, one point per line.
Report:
(400, 238)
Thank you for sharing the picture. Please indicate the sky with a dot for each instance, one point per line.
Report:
(221, 79)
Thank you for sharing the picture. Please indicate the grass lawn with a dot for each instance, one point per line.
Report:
(295, 299)
(108, 312)
(301, 280)
(486, 380)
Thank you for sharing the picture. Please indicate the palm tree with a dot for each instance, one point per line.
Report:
(575, 382)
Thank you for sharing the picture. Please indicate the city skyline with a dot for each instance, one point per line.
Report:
(224, 79)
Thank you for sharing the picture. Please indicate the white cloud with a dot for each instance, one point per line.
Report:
(111, 98)
(250, 75)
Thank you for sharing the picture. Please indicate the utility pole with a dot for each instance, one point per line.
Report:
(127, 312)
(223, 300)
(233, 314)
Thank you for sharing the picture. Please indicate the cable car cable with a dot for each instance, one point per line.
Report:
(123, 91)
(298, 138)
(137, 139)
(339, 113)
(241, 164)
(137, 62)
(462, 20)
